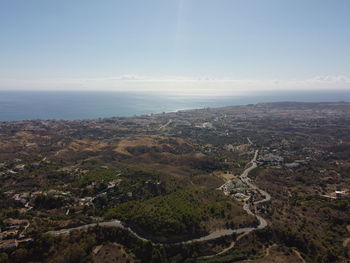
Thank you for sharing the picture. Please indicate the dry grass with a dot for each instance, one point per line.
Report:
(111, 252)
(225, 176)
(81, 146)
(278, 254)
(146, 141)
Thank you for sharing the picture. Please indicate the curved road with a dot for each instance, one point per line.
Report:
(214, 235)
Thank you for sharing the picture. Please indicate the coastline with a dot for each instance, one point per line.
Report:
(63, 105)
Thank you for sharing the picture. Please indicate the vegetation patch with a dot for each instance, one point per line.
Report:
(182, 213)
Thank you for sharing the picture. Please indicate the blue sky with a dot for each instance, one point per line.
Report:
(87, 44)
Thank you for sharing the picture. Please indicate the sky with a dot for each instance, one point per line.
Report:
(185, 45)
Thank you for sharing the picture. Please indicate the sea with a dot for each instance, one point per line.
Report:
(77, 105)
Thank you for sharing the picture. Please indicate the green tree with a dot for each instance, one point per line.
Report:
(4, 258)
(20, 255)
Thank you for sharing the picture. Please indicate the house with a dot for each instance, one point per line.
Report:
(86, 201)
(339, 193)
(271, 159)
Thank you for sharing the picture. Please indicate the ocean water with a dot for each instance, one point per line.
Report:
(27, 105)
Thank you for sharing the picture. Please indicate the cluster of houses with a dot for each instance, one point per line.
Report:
(25, 198)
(88, 200)
(270, 159)
(236, 188)
(274, 159)
(12, 232)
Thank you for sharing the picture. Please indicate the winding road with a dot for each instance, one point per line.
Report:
(214, 235)
(267, 197)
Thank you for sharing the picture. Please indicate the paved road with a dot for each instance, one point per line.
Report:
(262, 222)
(165, 125)
(267, 197)
(112, 223)
(211, 236)
(249, 141)
(21, 235)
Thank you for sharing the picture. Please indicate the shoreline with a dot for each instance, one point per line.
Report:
(176, 111)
